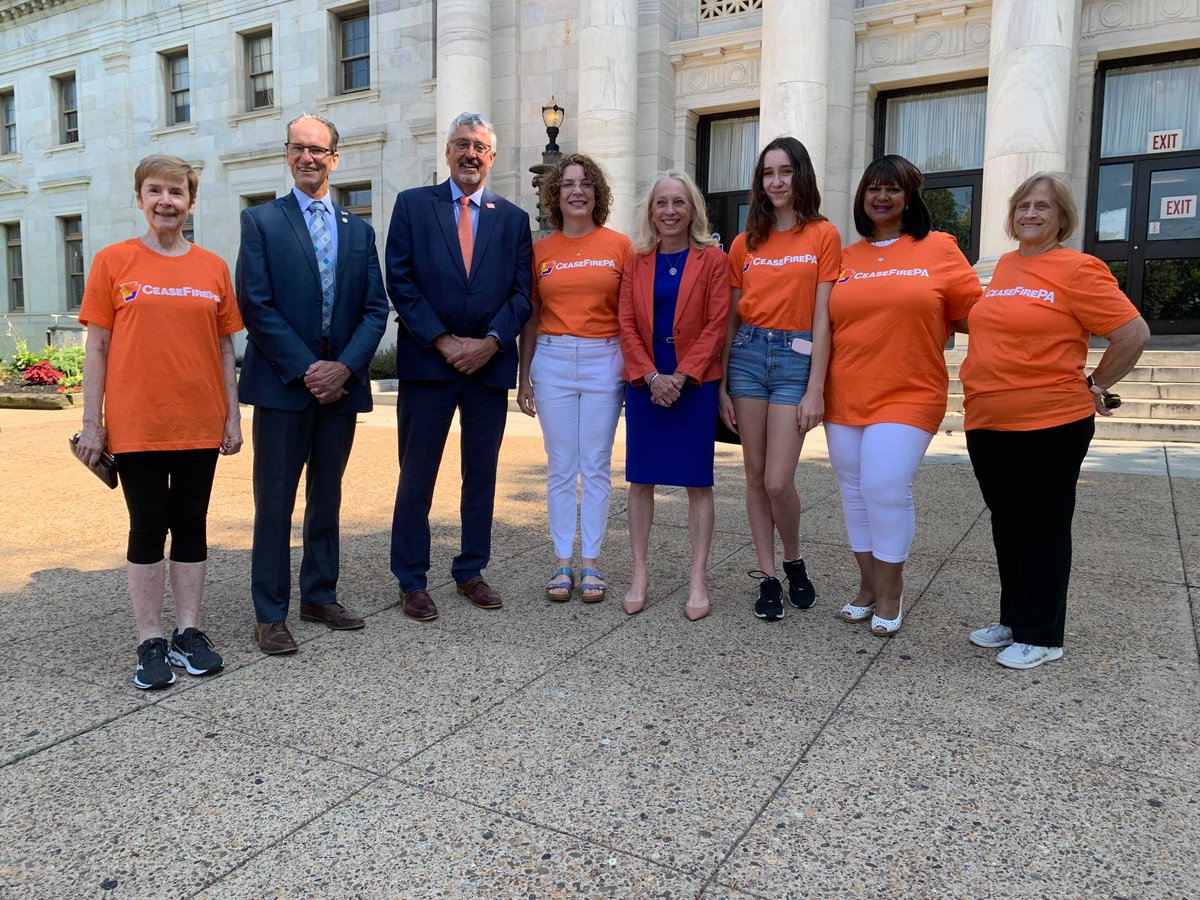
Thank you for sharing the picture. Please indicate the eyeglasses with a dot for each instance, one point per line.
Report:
(317, 153)
(581, 185)
(462, 145)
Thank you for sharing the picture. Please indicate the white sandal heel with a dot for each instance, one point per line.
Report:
(885, 627)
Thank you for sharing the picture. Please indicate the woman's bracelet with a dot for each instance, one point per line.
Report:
(650, 378)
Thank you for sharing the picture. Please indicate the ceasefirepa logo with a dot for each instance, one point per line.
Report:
(129, 290)
(546, 268)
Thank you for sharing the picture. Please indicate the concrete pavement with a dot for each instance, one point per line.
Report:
(554, 750)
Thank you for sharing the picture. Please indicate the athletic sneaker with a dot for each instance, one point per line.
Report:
(1027, 656)
(770, 599)
(152, 670)
(801, 593)
(193, 651)
(992, 637)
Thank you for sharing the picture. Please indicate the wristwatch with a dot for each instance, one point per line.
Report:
(1095, 388)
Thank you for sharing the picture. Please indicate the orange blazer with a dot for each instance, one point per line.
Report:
(701, 315)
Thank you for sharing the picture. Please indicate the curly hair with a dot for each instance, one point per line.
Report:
(806, 196)
(888, 170)
(552, 186)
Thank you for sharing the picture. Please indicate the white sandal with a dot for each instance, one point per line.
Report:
(852, 613)
(885, 627)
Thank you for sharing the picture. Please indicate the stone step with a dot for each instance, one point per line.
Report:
(1158, 410)
(1136, 390)
(1186, 358)
(1179, 374)
(1120, 429)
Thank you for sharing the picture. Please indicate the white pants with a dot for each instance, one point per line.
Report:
(578, 389)
(875, 465)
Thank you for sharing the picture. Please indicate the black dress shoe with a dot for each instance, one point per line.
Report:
(334, 615)
(418, 605)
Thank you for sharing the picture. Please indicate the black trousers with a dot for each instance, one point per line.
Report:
(1028, 481)
(167, 490)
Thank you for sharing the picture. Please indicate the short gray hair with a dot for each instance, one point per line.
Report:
(1060, 191)
(334, 137)
(471, 120)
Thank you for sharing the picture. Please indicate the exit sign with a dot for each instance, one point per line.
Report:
(1164, 141)
(1178, 207)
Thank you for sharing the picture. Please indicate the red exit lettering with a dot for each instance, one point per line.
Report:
(1181, 206)
(1166, 141)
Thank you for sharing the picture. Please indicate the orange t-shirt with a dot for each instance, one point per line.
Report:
(163, 389)
(1029, 339)
(779, 278)
(578, 282)
(890, 312)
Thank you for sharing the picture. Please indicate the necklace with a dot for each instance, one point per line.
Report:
(673, 264)
(879, 245)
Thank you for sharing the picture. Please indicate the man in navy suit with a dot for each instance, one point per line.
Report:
(458, 273)
(312, 298)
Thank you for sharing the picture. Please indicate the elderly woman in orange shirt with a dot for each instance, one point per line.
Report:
(570, 365)
(1030, 408)
(675, 300)
(901, 289)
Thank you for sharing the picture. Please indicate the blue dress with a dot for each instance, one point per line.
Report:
(672, 445)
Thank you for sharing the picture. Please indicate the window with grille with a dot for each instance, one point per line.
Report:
(179, 93)
(260, 89)
(72, 232)
(68, 109)
(15, 272)
(718, 9)
(354, 53)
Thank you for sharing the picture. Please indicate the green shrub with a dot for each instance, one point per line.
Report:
(68, 360)
(383, 364)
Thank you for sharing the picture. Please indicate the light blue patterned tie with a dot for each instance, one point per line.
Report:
(323, 247)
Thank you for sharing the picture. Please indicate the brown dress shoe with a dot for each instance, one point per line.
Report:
(274, 638)
(334, 615)
(419, 605)
(480, 593)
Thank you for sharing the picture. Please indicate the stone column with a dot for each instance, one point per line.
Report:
(839, 189)
(464, 66)
(795, 76)
(1031, 64)
(608, 71)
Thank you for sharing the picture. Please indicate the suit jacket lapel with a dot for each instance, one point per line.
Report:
(443, 213)
(487, 224)
(295, 218)
(691, 271)
(645, 296)
(342, 218)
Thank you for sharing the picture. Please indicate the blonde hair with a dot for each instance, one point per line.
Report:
(167, 166)
(1060, 190)
(699, 235)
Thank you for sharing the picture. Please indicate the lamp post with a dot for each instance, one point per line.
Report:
(552, 118)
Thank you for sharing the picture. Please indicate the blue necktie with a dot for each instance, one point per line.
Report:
(323, 247)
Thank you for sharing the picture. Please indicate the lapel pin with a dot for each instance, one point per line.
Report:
(491, 206)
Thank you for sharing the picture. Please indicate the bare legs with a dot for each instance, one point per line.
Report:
(771, 445)
(880, 583)
(147, 583)
(701, 517)
(641, 514)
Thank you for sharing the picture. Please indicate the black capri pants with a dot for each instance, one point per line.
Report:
(167, 490)
(1028, 481)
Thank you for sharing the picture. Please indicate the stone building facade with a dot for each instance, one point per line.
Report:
(980, 93)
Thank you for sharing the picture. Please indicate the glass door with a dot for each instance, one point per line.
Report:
(1147, 228)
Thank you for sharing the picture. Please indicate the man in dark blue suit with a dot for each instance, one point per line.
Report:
(312, 298)
(458, 273)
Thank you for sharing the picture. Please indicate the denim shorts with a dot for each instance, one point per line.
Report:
(763, 366)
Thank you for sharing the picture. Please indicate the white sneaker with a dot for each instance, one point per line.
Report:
(1027, 656)
(993, 636)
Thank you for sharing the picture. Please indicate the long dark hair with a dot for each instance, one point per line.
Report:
(806, 197)
(897, 170)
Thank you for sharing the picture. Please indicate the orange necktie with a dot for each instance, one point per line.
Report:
(466, 240)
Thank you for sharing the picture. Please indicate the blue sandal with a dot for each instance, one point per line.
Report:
(597, 586)
(554, 590)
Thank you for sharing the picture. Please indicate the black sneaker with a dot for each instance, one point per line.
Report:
(770, 597)
(152, 670)
(801, 593)
(193, 651)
